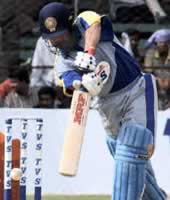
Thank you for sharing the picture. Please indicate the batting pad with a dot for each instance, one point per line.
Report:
(152, 190)
(130, 162)
(111, 143)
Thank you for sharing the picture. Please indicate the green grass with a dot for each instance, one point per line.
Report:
(85, 197)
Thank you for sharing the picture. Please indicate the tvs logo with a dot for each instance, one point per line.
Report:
(79, 109)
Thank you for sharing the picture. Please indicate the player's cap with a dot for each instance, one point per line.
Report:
(54, 19)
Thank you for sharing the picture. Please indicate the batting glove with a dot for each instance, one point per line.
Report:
(93, 82)
(85, 62)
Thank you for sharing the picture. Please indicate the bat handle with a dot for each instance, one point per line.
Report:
(77, 84)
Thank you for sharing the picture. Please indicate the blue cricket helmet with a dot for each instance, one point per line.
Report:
(54, 20)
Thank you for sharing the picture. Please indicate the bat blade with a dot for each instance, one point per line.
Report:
(74, 135)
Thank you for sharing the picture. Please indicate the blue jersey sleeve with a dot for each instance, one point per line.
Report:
(87, 19)
(69, 76)
(67, 80)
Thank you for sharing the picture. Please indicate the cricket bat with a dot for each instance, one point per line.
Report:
(74, 133)
(75, 130)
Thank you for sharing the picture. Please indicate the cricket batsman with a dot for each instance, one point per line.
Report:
(127, 101)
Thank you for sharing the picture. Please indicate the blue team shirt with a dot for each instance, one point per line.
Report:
(124, 68)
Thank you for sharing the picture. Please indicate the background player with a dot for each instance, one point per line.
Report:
(127, 102)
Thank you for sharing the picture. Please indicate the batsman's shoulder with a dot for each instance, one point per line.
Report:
(88, 18)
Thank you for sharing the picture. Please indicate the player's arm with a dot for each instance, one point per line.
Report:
(89, 24)
(92, 82)
(92, 37)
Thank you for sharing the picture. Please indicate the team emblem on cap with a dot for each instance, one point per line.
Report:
(51, 24)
